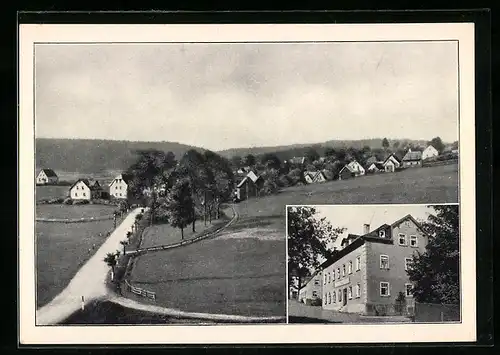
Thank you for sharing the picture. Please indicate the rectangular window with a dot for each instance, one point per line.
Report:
(381, 234)
(408, 262)
(349, 292)
(343, 270)
(358, 263)
(413, 241)
(340, 295)
(324, 279)
(76, 194)
(402, 239)
(338, 273)
(84, 194)
(358, 291)
(316, 282)
(334, 297)
(384, 289)
(384, 262)
(350, 267)
(329, 277)
(409, 290)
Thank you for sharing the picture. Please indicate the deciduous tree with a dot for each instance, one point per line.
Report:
(180, 205)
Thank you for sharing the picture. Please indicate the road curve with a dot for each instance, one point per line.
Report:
(89, 281)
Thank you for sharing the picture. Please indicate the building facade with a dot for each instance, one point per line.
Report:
(47, 176)
(412, 159)
(367, 275)
(310, 293)
(391, 163)
(80, 190)
(119, 187)
(429, 152)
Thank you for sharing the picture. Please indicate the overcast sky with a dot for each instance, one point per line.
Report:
(220, 96)
(353, 217)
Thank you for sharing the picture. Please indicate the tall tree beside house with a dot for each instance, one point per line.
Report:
(437, 143)
(435, 273)
(308, 240)
(249, 160)
(180, 205)
(385, 143)
(222, 182)
(311, 155)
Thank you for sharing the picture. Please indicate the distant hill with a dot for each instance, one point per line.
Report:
(297, 150)
(95, 156)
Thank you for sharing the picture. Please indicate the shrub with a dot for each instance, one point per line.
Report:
(68, 201)
(81, 202)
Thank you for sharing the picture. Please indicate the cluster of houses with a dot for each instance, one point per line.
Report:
(249, 186)
(89, 189)
(368, 273)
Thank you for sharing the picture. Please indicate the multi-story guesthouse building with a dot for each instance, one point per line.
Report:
(368, 273)
(310, 293)
(47, 176)
(85, 189)
(119, 187)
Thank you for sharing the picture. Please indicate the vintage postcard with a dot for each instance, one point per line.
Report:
(224, 183)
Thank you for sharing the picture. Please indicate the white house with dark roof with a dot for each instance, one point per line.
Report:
(391, 163)
(47, 176)
(250, 186)
(119, 187)
(85, 189)
(429, 152)
(351, 170)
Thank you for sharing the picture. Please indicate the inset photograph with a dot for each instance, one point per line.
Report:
(373, 264)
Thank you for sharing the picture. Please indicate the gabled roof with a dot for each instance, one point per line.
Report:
(49, 172)
(379, 165)
(318, 174)
(85, 181)
(413, 155)
(430, 146)
(125, 177)
(250, 176)
(391, 155)
(311, 174)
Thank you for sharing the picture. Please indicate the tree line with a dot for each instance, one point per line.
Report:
(180, 191)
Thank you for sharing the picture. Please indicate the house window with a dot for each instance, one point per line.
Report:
(315, 294)
(384, 262)
(343, 270)
(329, 277)
(381, 234)
(334, 296)
(350, 267)
(349, 292)
(409, 290)
(84, 194)
(358, 291)
(358, 263)
(408, 262)
(413, 241)
(324, 279)
(338, 273)
(340, 295)
(76, 194)
(384, 289)
(402, 239)
(329, 298)
(324, 298)
(316, 282)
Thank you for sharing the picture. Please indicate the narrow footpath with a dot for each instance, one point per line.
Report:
(89, 282)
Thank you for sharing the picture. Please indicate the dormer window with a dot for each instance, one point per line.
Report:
(381, 234)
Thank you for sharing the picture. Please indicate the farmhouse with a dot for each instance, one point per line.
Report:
(250, 186)
(85, 189)
(391, 163)
(47, 176)
(368, 273)
(310, 293)
(119, 187)
(376, 167)
(429, 152)
(351, 170)
(313, 177)
(412, 159)
(309, 176)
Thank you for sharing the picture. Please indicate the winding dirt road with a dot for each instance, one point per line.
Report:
(89, 281)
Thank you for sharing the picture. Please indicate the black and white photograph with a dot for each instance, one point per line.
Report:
(183, 182)
(373, 264)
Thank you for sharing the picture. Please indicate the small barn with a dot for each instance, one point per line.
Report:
(47, 177)
(412, 159)
(249, 187)
(429, 153)
(376, 167)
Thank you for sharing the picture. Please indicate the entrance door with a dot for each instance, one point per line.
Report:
(344, 297)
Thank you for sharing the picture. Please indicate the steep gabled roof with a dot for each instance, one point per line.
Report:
(413, 155)
(391, 155)
(125, 177)
(379, 165)
(85, 181)
(49, 172)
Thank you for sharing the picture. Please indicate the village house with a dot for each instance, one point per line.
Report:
(367, 275)
(313, 177)
(85, 189)
(412, 159)
(46, 177)
(297, 160)
(244, 170)
(429, 152)
(310, 293)
(352, 169)
(376, 167)
(119, 187)
(391, 163)
(250, 186)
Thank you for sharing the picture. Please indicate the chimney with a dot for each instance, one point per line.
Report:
(366, 228)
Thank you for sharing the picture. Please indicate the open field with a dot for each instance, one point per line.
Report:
(437, 184)
(61, 249)
(240, 272)
(73, 211)
(50, 191)
(164, 234)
